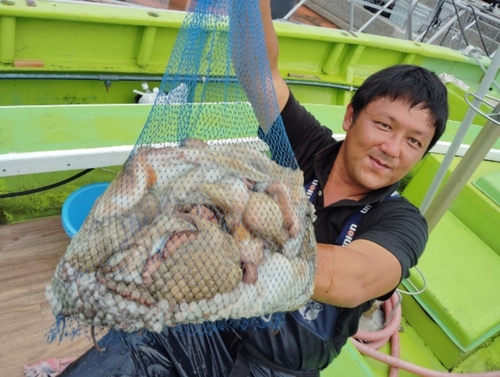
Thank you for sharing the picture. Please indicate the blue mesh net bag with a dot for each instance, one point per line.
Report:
(206, 222)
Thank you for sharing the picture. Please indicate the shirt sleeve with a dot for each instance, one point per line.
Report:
(306, 135)
(398, 226)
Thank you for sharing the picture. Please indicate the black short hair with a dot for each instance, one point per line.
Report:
(413, 84)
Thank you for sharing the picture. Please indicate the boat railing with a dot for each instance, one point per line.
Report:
(452, 23)
(398, 12)
(434, 205)
(459, 24)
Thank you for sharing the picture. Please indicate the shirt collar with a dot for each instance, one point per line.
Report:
(323, 164)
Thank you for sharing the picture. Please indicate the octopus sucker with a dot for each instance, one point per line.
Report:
(188, 234)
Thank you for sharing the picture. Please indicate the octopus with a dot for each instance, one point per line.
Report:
(178, 235)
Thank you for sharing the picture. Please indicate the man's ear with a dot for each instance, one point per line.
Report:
(348, 117)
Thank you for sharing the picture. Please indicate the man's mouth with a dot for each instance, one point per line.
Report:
(380, 163)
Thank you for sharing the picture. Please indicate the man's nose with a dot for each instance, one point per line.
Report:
(392, 145)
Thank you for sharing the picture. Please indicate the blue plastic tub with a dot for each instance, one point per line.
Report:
(77, 206)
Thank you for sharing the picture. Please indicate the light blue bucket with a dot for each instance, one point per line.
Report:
(77, 206)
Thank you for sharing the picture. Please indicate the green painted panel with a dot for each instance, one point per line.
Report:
(484, 359)
(96, 13)
(35, 128)
(311, 94)
(86, 126)
(329, 116)
(478, 212)
(349, 363)
(462, 284)
(469, 275)
(413, 350)
(452, 128)
(458, 108)
(48, 128)
(468, 73)
(489, 184)
(86, 42)
(433, 336)
(474, 209)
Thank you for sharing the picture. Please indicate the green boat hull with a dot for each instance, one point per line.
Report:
(81, 53)
(67, 75)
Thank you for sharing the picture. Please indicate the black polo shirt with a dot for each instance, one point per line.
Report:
(395, 224)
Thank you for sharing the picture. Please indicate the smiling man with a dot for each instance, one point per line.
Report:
(368, 238)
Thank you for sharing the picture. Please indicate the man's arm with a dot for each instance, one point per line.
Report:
(280, 87)
(349, 276)
(392, 239)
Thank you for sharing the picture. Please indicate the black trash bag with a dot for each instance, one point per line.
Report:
(170, 353)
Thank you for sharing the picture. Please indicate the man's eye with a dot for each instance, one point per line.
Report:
(415, 142)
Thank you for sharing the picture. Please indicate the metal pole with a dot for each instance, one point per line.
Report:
(433, 19)
(463, 172)
(489, 77)
(461, 36)
(351, 17)
(294, 9)
(409, 20)
(463, 7)
(443, 28)
(379, 12)
(474, 56)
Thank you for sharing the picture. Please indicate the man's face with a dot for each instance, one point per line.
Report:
(385, 141)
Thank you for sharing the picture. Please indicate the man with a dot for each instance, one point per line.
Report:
(395, 117)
